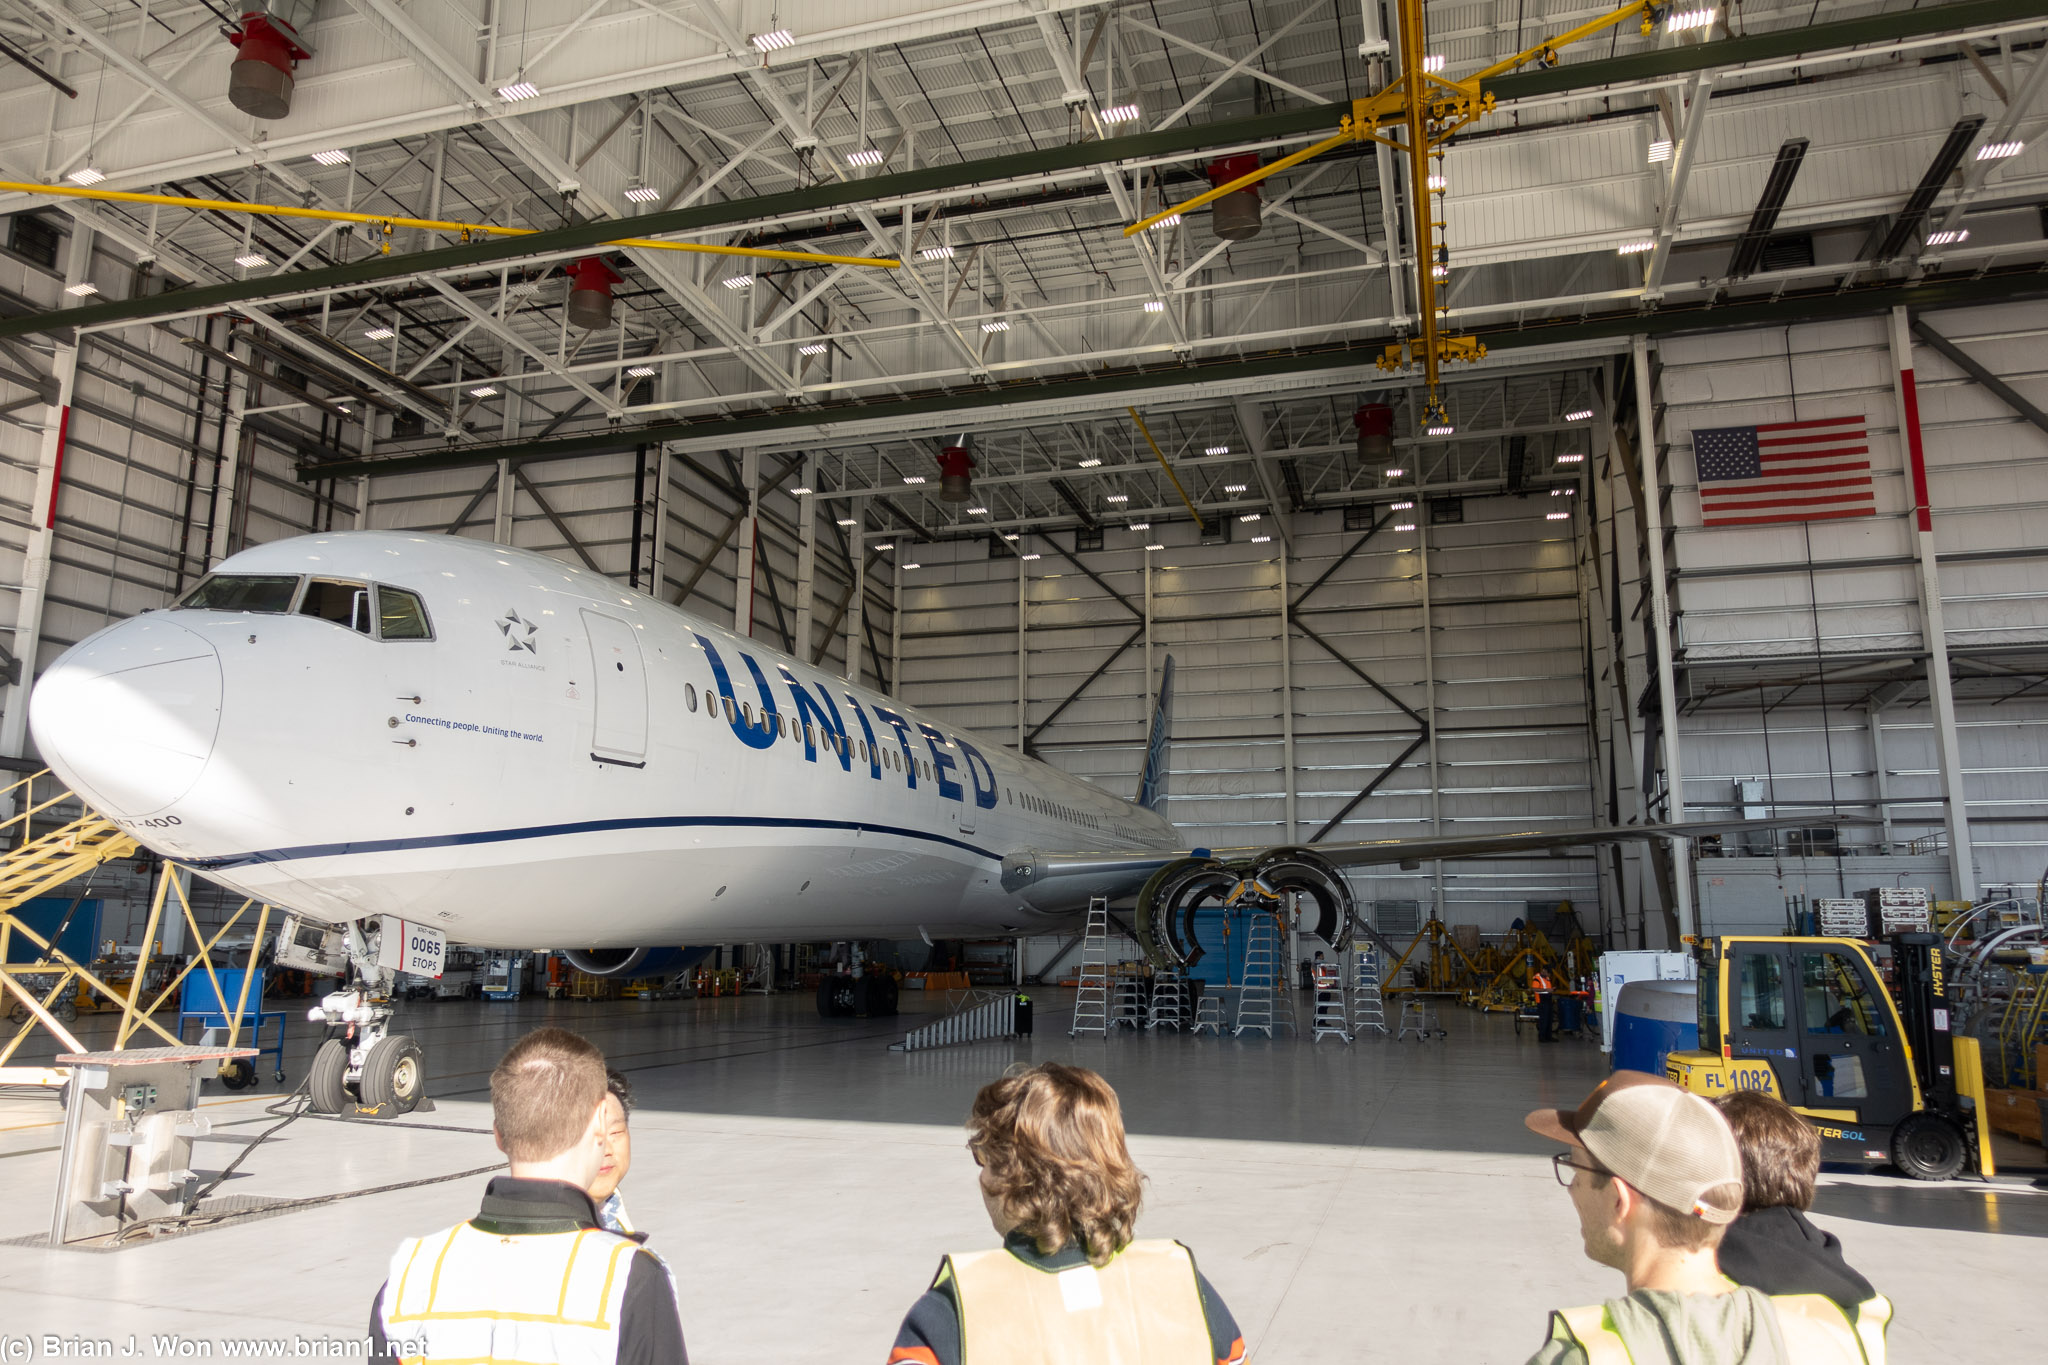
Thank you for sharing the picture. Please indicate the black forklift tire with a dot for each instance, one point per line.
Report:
(1929, 1147)
(395, 1074)
(327, 1081)
(237, 1074)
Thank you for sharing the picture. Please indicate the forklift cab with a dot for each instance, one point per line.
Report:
(1809, 1021)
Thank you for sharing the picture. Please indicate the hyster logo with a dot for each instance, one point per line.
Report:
(518, 632)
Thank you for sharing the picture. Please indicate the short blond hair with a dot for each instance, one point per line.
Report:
(543, 1093)
(1052, 1142)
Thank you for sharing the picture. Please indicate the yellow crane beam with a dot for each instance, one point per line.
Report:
(464, 230)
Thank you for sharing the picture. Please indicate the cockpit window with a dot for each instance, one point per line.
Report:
(242, 592)
(401, 615)
(345, 604)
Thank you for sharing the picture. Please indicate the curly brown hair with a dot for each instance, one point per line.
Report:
(1050, 1140)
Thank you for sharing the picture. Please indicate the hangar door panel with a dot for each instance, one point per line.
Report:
(618, 689)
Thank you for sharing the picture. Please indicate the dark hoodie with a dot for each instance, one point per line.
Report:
(1778, 1251)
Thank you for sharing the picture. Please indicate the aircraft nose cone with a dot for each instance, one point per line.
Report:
(129, 716)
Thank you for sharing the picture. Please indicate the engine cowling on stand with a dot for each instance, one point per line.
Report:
(1179, 892)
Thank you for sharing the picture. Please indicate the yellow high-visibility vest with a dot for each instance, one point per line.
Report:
(1143, 1308)
(551, 1298)
(1816, 1331)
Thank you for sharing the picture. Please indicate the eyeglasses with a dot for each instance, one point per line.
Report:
(1563, 1162)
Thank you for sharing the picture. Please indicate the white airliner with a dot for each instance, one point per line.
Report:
(419, 738)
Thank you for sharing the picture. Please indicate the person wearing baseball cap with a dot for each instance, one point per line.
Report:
(1656, 1178)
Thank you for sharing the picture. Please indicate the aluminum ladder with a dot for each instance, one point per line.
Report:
(1368, 1007)
(1169, 1001)
(1128, 1008)
(1209, 1014)
(1091, 1002)
(1261, 960)
(1328, 1020)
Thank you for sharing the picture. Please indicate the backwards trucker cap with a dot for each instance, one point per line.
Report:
(1670, 1144)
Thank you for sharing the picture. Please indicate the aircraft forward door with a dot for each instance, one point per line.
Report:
(618, 690)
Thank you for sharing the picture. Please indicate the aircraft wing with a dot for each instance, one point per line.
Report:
(1055, 881)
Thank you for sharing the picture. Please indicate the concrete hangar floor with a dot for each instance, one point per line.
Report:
(1373, 1202)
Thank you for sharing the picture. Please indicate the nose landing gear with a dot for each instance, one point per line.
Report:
(364, 1068)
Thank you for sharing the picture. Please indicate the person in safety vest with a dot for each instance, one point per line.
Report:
(534, 1277)
(1773, 1246)
(1546, 1006)
(1069, 1285)
(1656, 1178)
(618, 1156)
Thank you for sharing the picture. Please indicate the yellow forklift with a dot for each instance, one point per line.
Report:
(1878, 1072)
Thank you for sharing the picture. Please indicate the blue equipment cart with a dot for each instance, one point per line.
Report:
(196, 1000)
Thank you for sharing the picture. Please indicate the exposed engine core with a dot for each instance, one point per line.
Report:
(1180, 891)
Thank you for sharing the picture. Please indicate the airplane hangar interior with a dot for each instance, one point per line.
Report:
(1355, 569)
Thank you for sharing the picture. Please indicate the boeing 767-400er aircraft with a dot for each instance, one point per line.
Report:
(406, 739)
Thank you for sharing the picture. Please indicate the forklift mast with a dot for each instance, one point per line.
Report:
(1920, 985)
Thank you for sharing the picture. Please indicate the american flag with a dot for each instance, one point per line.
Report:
(1784, 471)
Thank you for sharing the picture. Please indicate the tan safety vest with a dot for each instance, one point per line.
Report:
(550, 1298)
(1816, 1331)
(1143, 1308)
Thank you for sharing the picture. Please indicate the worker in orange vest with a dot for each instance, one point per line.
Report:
(1546, 1006)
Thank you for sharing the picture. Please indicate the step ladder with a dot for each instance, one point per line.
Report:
(1091, 1001)
(1129, 1007)
(1261, 960)
(1209, 1014)
(1368, 1007)
(982, 1015)
(1328, 1020)
(1169, 1001)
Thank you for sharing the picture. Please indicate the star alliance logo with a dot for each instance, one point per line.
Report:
(518, 632)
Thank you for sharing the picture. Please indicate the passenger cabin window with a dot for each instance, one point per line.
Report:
(243, 592)
(345, 604)
(401, 615)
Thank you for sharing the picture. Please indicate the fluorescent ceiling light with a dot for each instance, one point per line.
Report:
(643, 194)
(1948, 238)
(1572, 457)
(1141, 526)
(866, 156)
(737, 281)
(1443, 430)
(885, 545)
(1030, 556)
(1009, 535)
(977, 511)
(87, 174)
(1579, 415)
(773, 42)
(1400, 506)
(1261, 540)
(81, 289)
(801, 490)
(1396, 473)
(1433, 62)
(641, 371)
(1155, 546)
(813, 348)
(936, 253)
(333, 157)
(999, 325)
(1437, 181)
(1216, 450)
(913, 478)
(380, 334)
(1154, 306)
(1999, 151)
(1249, 516)
(1660, 150)
(519, 289)
(1689, 20)
(1634, 248)
(848, 521)
(1235, 487)
(1562, 492)
(1557, 516)
(1404, 526)
(1120, 113)
(1440, 271)
(1118, 497)
(1168, 221)
(483, 391)
(1091, 464)
(912, 566)
(518, 90)
(249, 260)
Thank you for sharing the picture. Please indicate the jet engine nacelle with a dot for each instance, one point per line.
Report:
(634, 963)
(1181, 890)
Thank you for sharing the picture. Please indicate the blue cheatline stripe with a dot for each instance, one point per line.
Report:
(504, 836)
